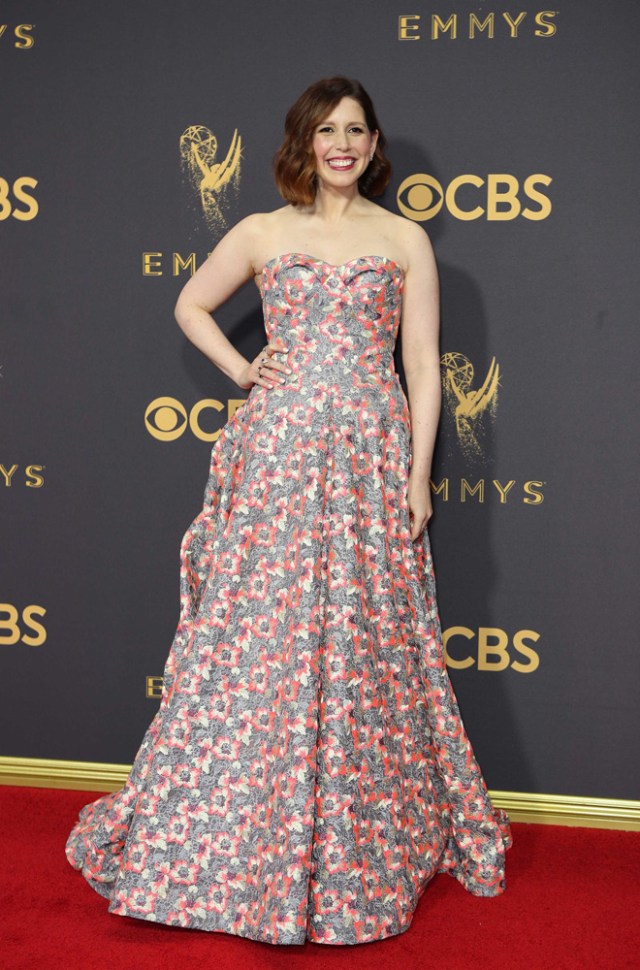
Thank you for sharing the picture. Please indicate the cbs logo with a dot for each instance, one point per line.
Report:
(467, 197)
(167, 418)
(493, 649)
(13, 626)
(15, 193)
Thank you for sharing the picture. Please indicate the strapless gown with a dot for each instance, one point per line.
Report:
(307, 772)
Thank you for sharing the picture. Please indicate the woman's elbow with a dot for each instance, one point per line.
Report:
(181, 314)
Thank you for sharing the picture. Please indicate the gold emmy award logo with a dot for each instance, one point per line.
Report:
(212, 179)
(468, 406)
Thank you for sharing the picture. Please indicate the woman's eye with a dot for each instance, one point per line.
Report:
(355, 129)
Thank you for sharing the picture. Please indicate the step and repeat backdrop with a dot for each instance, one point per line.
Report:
(133, 136)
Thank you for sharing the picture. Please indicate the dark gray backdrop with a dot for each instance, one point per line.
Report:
(93, 107)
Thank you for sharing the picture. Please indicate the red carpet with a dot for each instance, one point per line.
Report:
(572, 901)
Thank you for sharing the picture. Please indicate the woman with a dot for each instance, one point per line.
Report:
(307, 772)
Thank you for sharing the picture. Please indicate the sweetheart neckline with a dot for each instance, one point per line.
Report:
(317, 259)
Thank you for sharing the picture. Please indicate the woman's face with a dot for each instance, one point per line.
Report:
(343, 144)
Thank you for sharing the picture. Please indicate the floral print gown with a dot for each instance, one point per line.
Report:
(307, 772)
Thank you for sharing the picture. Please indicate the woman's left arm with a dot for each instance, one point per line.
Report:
(421, 364)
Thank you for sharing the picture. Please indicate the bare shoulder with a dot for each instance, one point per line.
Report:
(412, 236)
(251, 234)
(250, 228)
(409, 238)
(416, 246)
(260, 223)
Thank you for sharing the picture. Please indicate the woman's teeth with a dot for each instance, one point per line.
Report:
(341, 163)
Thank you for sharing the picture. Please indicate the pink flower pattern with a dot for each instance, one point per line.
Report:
(307, 772)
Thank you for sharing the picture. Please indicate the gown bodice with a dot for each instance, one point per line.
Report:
(340, 322)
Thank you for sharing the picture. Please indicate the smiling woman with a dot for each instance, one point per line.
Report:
(310, 127)
(308, 772)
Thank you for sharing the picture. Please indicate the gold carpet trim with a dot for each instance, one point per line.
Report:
(582, 810)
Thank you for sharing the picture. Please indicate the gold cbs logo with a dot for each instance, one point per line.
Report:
(15, 624)
(16, 201)
(491, 649)
(167, 419)
(468, 197)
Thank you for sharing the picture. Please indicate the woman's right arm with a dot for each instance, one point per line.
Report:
(229, 266)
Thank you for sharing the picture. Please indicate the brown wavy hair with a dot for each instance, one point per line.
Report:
(295, 164)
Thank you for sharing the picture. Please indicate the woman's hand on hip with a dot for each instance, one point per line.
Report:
(264, 370)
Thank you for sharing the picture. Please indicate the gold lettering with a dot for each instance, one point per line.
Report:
(543, 201)
(514, 24)
(542, 19)
(33, 471)
(3, 27)
(151, 265)
(507, 196)
(10, 624)
(450, 196)
(498, 648)
(153, 687)
(474, 22)
(536, 497)
(179, 263)
(8, 475)
(22, 32)
(194, 419)
(457, 631)
(27, 618)
(465, 488)
(5, 205)
(437, 26)
(504, 491)
(406, 29)
(441, 489)
(25, 215)
(521, 647)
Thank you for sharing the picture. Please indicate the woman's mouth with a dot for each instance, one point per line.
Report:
(341, 164)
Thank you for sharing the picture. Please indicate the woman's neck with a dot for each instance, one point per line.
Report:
(332, 207)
